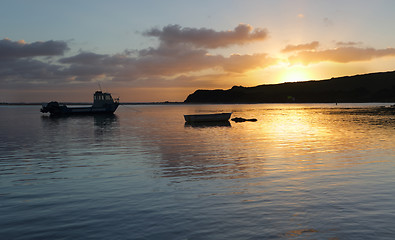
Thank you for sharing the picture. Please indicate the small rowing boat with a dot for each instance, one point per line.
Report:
(216, 117)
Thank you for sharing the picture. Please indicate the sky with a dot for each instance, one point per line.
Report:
(155, 51)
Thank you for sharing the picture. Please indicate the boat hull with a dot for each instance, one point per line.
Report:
(103, 103)
(217, 117)
(54, 109)
(88, 110)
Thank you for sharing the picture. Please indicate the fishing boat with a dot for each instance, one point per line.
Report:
(103, 103)
(216, 117)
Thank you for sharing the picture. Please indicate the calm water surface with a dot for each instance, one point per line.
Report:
(299, 172)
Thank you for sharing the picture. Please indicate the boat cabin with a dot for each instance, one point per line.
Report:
(101, 99)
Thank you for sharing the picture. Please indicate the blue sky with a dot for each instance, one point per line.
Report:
(164, 50)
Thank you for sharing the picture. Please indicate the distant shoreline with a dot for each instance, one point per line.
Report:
(183, 103)
(81, 103)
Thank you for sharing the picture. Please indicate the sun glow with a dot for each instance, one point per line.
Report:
(295, 74)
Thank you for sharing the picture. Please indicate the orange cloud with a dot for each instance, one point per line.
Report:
(242, 63)
(341, 55)
(300, 47)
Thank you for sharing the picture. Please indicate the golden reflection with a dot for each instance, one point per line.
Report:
(288, 142)
(299, 232)
(297, 135)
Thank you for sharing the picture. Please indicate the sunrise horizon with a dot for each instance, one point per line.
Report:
(116, 95)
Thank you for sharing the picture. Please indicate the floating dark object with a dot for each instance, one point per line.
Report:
(208, 124)
(103, 103)
(239, 119)
(217, 117)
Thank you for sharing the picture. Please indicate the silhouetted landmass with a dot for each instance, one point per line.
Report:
(80, 103)
(373, 87)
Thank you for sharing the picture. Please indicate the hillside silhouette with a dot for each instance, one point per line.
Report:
(372, 87)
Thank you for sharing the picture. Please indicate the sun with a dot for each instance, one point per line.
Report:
(295, 74)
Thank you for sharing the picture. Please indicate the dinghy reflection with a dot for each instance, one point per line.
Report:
(208, 124)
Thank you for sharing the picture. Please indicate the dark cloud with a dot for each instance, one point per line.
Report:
(341, 55)
(307, 46)
(84, 58)
(181, 51)
(18, 63)
(88, 66)
(165, 61)
(20, 49)
(16, 71)
(208, 38)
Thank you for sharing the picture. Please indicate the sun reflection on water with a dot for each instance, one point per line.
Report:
(284, 139)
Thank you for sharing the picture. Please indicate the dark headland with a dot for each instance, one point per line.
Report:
(372, 87)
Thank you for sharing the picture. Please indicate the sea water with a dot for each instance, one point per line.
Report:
(301, 171)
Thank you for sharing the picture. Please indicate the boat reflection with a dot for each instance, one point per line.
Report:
(98, 123)
(105, 120)
(99, 119)
(208, 124)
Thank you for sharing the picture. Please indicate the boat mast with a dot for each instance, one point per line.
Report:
(99, 86)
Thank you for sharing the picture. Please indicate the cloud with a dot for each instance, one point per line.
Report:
(187, 53)
(21, 49)
(88, 66)
(341, 55)
(159, 63)
(307, 46)
(208, 38)
(347, 43)
(242, 63)
(84, 58)
(19, 64)
(181, 60)
(181, 52)
(24, 71)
